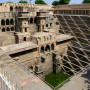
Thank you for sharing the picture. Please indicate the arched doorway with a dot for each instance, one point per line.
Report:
(42, 49)
(47, 48)
(3, 29)
(11, 8)
(43, 27)
(12, 28)
(52, 47)
(7, 21)
(2, 22)
(24, 39)
(8, 29)
(31, 20)
(12, 22)
(46, 25)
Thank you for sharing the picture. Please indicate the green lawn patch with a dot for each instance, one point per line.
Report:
(56, 79)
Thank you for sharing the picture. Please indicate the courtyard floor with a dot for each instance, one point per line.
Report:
(56, 79)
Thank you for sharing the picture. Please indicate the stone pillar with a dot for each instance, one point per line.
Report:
(28, 21)
(85, 12)
(63, 11)
(72, 12)
(33, 20)
(75, 12)
(23, 30)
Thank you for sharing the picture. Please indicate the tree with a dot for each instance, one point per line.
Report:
(55, 3)
(23, 1)
(60, 2)
(40, 2)
(86, 1)
(64, 2)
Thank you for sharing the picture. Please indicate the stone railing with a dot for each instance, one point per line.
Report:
(5, 82)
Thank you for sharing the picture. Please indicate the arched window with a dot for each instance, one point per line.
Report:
(52, 47)
(2, 22)
(42, 49)
(12, 28)
(11, 8)
(8, 29)
(7, 22)
(47, 48)
(3, 29)
(31, 20)
(11, 21)
(35, 20)
(42, 59)
(50, 24)
(46, 25)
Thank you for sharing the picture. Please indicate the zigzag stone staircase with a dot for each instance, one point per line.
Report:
(79, 51)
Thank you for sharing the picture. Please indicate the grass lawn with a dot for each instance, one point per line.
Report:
(56, 79)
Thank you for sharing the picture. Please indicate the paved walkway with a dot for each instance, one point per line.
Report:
(78, 82)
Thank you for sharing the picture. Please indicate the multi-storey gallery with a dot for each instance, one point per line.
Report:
(36, 40)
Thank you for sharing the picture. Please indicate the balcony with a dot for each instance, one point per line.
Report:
(41, 14)
(23, 15)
